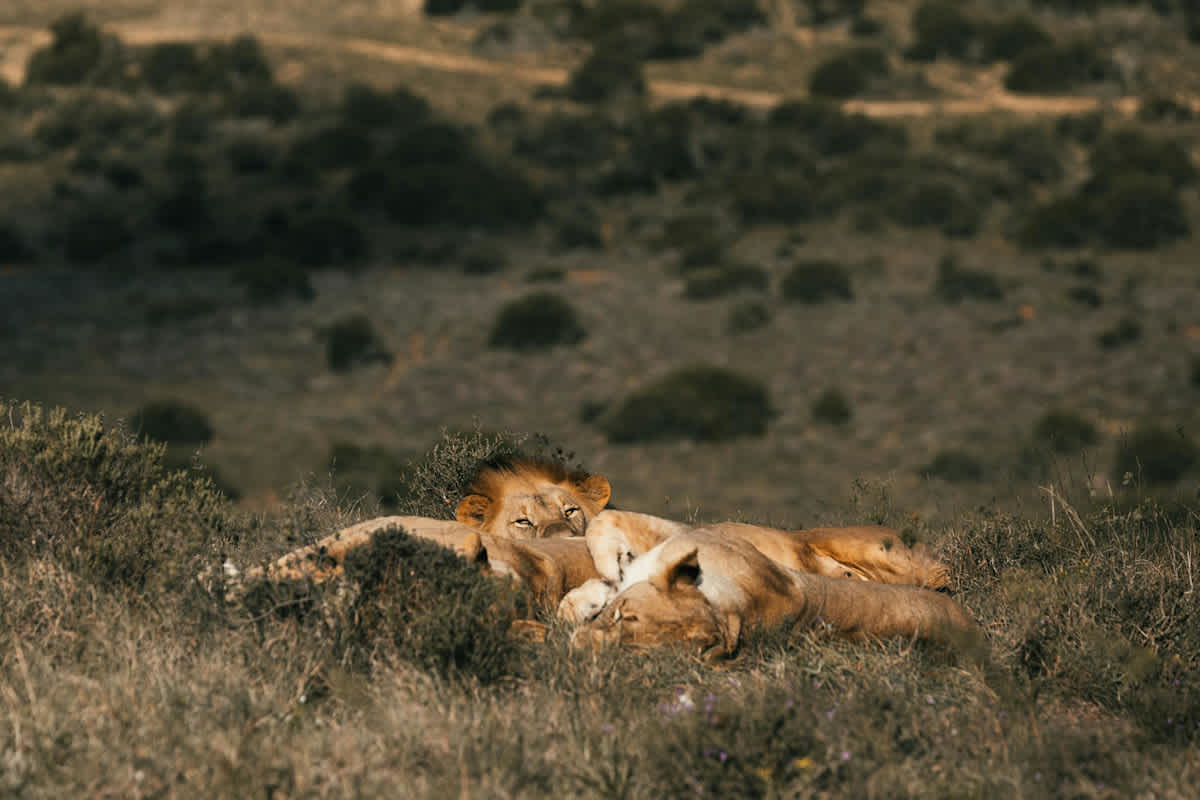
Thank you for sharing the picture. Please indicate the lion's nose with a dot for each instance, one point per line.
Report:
(558, 528)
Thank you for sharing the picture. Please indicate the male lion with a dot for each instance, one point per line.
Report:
(509, 504)
(704, 588)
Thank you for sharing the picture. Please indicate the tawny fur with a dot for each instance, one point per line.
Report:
(704, 588)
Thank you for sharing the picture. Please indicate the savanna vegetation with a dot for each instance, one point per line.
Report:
(923, 263)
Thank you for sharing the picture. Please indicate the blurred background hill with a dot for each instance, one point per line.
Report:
(799, 262)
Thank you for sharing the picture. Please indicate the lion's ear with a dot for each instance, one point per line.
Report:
(595, 491)
(472, 510)
(676, 568)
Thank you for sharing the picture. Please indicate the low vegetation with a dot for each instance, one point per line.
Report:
(537, 321)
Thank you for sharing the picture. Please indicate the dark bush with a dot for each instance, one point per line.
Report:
(372, 471)
(1086, 295)
(832, 408)
(364, 106)
(123, 174)
(90, 235)
(578, 231)
(719, 281)
(1067, 221)
(848, 73)
(273, 280)
(442, 8)
(546, 275)
(702, 403)
(939, 202)
(569, 141)
(101, 503)
(250, 155)
(536, 321)
(172, 422)
(779, 196)
(418, 602)
(1129, 150)
(953, 466)
(1083, 128)
(1139, 212)
(14, 247)
(319, 239)
(940, 28)
(698, 23)
(79, 53)
(634, 26)
(1161, 108)
(1064, 431)
(1009, 38)
(749, 315)
(1155, 456)
(609, 73)
(186, 204)
(817, 281)
(352, 341)
(334, 147)
(1059, 68)
(1195, 372)
(955, 284)
(170, 67)
(832, 132)
(484, 258)
(279, 104)
(1127, 331)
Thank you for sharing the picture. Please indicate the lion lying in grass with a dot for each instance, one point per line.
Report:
(704, 588)
(547, 528)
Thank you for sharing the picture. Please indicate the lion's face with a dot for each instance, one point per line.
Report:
(533, 501)
(666, 609)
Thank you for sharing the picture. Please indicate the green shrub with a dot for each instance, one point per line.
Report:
(817, 281)
(1085, 295)
(955, 284)
(537, 321)
(279, 104)
(1155, 456)
(936, 201)
(101, 503)
(334, 147)
(251, 155)
(940, 28)
(273, 280)
(579, 230)
(442, 8)
(1195, 372)
(172, 422)
(749, 315)
(14, 247)
(1064, 431)
(775, 196)
(833, 132)
(418, 602)
(832, 408)
(1009, 38)
(91, 235)
(1083, 128)
(953, 466)
(702, 403)
(352, 341)
(1067, 221)
(848, 73)
(714, 282)
(609, 73)
(444, 473)
(1129, 150)
(696, 24)
(546, 275)
(1162, 108)
(484, 258)
(569, 141)
(1127, 331)
(79, 53)
(372, 471)
(323, 238)
(364, 106)
(1139, 212)
(1059, 68)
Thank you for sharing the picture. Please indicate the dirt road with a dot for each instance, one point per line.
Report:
(19, 42)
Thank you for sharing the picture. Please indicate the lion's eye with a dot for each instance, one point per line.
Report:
(570, 511)
(524, 522)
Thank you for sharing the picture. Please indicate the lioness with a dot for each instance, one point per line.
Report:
(704, 588)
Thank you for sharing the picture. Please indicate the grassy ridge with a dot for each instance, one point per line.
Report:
(138, 684)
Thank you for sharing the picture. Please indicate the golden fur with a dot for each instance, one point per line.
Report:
(527, 499)
(703, 588)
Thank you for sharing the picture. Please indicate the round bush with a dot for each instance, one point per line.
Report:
(955, 284)
(1139, 212)
(1155, 456)
(1064, 431)
(172, 422)
(832, 408)
(817, 281)
(609, 73)
(334, 147)
(1009, 38)
(274, 280)
(848, 73)
(78, 51)
(484, 259)
(370, 470)
(1059, 68)
(714, 282)
(352, 341)
(14, 248)
(279, 104)
(1129, 150)
(702, 403)
(367, 107)
(941, 28)
(1127, 331)
(536, 321)
(953, 466)
(747, 316)
(95, 234)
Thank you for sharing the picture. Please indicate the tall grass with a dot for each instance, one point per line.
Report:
(129, 682)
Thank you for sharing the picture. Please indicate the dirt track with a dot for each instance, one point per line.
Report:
(20, 42)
